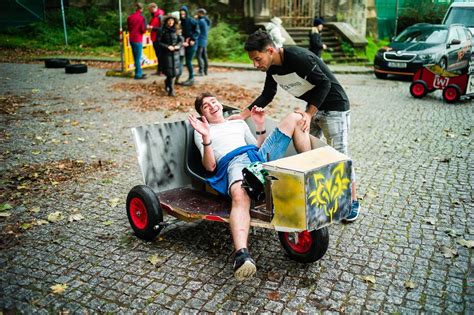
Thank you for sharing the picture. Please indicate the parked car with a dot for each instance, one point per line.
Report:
(460, 13)
(425, 44)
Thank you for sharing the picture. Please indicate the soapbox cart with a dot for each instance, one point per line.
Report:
(304, 193)
(454, 86)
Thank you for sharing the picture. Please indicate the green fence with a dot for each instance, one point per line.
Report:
(20, 12)
(401, 13)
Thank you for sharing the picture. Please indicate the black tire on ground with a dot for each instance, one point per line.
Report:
(418, 89)
(451, 93)
(56, 63)
(380, 75)
(76, 68)
(310, 246)
(144, 212)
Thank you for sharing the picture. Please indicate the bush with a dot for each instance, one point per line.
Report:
(225, 42)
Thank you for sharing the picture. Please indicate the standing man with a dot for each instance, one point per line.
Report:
(204, 26)
(191, 34)
(315, 40)
(137, 27)
(302, 74)
(154, 27)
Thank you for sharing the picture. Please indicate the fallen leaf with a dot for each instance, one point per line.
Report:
(466, 243)
(273, 276)
(74, 123)
(456, 202)
(410, 285)
(449, 252)
(55, 141)
(5, 214)
(273, 295)
(453, 233)
(58, 288)
(431, 220)
(81, 139)
(40, 222)
(35, 209)
(75, 217)
(55, 217)
(35, 152)
(369, 279)
(5, 207)
(25, 226)
(108, 222)
(445, 160)
(114, 202)
(155, 259)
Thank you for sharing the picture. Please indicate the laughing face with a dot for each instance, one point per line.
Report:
(212, 109)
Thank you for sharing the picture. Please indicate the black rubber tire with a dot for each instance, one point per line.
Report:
(153, 212)
(319, 246)
(380, 75)
(448, 96)
(415, 85)
(56, 63)
(76, 68)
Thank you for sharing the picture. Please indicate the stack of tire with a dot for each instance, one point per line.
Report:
(56, 63)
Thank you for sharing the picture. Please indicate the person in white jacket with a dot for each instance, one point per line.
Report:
(273, 29)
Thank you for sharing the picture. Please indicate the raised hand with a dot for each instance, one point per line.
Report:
(200, 126)
(258, 116)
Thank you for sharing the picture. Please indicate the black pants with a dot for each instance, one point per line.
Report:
(202, 59)
(156, 47)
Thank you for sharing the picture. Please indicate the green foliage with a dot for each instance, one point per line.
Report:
(420, 11)
(347, 48)
(373, 46)
(85, 28)
(225, 42)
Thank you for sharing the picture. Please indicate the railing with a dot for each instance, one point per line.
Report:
(294, 13)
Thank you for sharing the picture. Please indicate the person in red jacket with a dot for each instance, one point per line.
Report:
(137, 27)
(154, 27)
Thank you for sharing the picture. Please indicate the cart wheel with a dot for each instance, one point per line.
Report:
(144, 212)
(451, 93)
(418, 88)
(380, 75)
(305, 247)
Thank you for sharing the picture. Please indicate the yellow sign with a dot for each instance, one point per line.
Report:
(148, 55)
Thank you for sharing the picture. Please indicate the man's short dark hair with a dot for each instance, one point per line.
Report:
(259, 40)
(199, 99)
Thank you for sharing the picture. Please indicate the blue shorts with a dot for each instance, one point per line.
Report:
(275, 145)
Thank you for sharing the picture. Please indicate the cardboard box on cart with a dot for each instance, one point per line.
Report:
(311, 189)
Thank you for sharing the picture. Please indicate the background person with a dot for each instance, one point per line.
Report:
(136, 26)
(273, 29)
(170, 44)
(154, 27)
(190, 29)
(315, 40)
(204, 26)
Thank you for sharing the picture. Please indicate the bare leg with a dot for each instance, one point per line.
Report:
(239, 216)
(290, 127)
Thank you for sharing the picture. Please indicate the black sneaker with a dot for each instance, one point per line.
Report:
(189, 82)
(244, 266)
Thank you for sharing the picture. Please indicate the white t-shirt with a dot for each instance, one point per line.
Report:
(226, 137)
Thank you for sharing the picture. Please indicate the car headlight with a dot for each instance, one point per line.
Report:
(427, 57)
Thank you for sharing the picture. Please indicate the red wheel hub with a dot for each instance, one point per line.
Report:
(138, 213)
(418, 89)
(450, 94)
(299, 242)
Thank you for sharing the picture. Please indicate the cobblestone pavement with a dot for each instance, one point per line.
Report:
(414, 160)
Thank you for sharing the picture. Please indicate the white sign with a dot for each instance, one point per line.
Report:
(293, 83)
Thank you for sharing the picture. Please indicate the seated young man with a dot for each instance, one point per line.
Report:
(227, 146)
